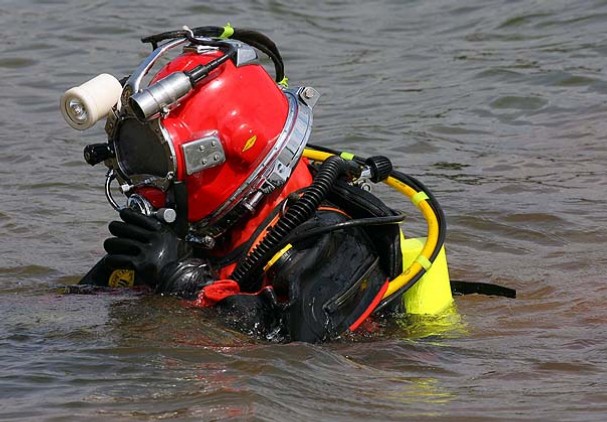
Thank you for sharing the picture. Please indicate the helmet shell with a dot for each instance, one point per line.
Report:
(242, 106)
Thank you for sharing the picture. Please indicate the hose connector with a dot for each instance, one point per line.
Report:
(380, 168)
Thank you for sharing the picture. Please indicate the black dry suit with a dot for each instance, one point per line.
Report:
(321, 278)
(329, 277)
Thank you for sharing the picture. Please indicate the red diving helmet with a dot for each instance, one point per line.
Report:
(211, 134)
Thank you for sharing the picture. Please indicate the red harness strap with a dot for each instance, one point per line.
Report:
(371, 307)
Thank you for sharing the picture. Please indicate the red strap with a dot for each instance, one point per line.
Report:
(371, 307)
(213, 293)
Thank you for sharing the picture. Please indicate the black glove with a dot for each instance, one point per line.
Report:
(145, 245)
(185, 278)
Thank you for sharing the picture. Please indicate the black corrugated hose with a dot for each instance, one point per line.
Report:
(247, 273)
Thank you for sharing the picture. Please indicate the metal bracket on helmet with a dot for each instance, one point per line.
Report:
(245, 54)
(308, 95)
(202, 154)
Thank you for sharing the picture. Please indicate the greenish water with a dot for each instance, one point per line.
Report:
(498, 106)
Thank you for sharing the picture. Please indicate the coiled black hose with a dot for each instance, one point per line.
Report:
(247, 273)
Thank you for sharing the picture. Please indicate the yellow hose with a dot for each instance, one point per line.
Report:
(432, 240)
(433, 227)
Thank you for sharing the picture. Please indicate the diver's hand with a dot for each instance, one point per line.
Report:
(185, 278)
(145, 245)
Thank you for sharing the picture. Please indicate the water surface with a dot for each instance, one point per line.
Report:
(498, 106)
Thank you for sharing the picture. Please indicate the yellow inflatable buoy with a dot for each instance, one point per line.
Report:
(431, 295)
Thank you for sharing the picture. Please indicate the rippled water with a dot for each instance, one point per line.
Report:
(498, 106)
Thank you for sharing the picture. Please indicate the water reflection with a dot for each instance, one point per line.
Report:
(448, 324)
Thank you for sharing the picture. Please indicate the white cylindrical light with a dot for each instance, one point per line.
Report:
(84, 105)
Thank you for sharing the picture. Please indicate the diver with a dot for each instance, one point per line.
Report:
(228, 206)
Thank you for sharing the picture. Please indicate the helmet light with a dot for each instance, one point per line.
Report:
(85, 105)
